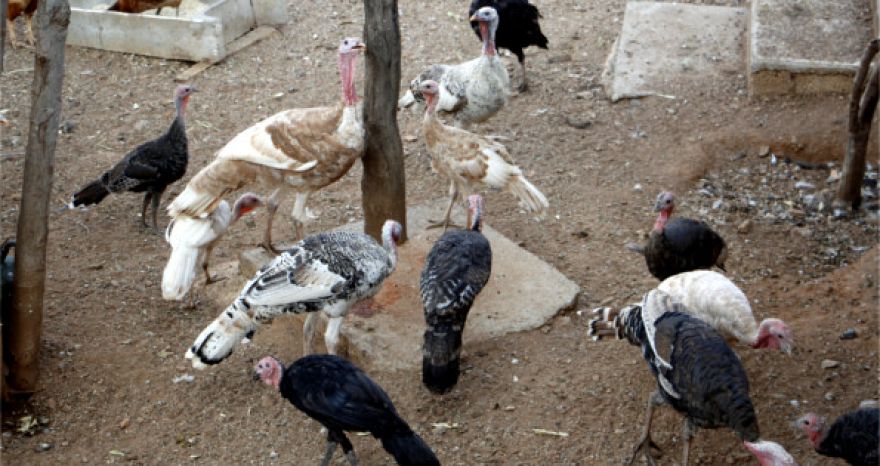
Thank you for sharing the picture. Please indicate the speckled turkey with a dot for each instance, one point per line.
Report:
(455, 272)
(697, 374)
(149, 168)
(680, 244)
(327, 272)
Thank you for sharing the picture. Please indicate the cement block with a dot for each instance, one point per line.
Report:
(523, 293)
(666, 48)
(198, 32)
(816, 42)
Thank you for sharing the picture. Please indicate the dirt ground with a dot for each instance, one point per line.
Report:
(112, 346)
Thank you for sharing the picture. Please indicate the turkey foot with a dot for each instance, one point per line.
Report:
(364, 308)
(271, 207)
(215, 279)
(645, 447)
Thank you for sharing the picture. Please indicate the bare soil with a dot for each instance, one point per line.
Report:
(112, 346)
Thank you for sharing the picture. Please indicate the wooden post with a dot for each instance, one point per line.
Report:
(862, 104)
(383, 187)
(3, 5)
(50, 25)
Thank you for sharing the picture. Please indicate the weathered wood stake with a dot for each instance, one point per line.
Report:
(383, 187)
(862, 104)
(50, 25)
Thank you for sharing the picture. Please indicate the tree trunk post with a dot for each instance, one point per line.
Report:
(383, 187)
(3, 6)
(862, 104)
(51, 20)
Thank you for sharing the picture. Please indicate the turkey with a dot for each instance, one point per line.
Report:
(714, 299)
(854, 436)
(342, 398)
(191, 251)
(328, 272)
(697, 374)
(149, 168)
(301, 150)
(455, 272)
(518, 28)
(681, 244)
(472, 91)
(472, 162)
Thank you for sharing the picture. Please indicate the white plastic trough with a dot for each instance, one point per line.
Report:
(201, 32)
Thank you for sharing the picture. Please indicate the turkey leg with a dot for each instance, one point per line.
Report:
(309, 332)
(524, 83)
(299, 213)
(271, 207)
(208, 278)
(645, 443)
(453, 196)
(156, 198)
(147, 197)
(331, 335)
(328, 453)
(688, 433)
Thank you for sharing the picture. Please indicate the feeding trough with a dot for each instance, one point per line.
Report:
(199, 31)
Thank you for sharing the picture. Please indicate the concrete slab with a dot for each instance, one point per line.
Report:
(666, 48)
(201, 30)
(523, 293)
(806, 46)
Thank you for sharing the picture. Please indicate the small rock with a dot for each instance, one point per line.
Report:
(745, 227)
(273, 455)
(829, 396)
(41, 447)
(869, 404)
(67, 127)
(717, 204)
(578, 123)
(410, 138)
(833, 176)
(764, 151)
(849, 334)
(829, 364)
(794, 403)
(141, 125)
(560, 58)
(804, 185)
(637, 187)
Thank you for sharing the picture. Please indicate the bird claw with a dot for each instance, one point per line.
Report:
(211, 280)
(269, 247)
(645, 448)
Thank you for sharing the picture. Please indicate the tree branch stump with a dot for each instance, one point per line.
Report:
(50, 25)
(862, 104)
(383, 187)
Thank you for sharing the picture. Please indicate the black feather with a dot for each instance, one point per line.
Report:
(683, 245)
(342, 397)
(855, 437)
(455, 272)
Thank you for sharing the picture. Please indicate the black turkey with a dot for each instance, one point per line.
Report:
(854, 436)
(343, 398)
(455, 272)
(149, 168)
(518, 29)
(697, 373)
(680, 244)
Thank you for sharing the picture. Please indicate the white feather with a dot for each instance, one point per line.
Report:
(188, 237)
(315, 282)
(714, 299)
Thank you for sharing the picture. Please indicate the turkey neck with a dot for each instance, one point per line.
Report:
(346, 72)
(660, 223)
(180, 104)
(391, 246)
(487, 31)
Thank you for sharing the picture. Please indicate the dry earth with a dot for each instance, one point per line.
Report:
(112, 346)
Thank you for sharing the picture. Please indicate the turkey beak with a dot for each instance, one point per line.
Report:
(361, 46)
(256, 376)
(474, 18)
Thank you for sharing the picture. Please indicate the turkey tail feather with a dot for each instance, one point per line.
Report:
(440, 357)
(185, 236)
(93, 193)
(528, 194)
(408, 449)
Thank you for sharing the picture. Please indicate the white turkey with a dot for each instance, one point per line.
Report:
(300, 150)
(456, 270)
(328, 272)
(714, 299)
(472, 162)
(472, 91)
(697, 374)
(191, 245)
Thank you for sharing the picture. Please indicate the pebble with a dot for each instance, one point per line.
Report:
(829, 396)
(764, 151)
(273, 455)
(805, 185)
(869, 404)
(41, 447)
(794, 403)
(578, 123)
(637, 187)
(745, 227)
(829, 364)
(849, 334)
